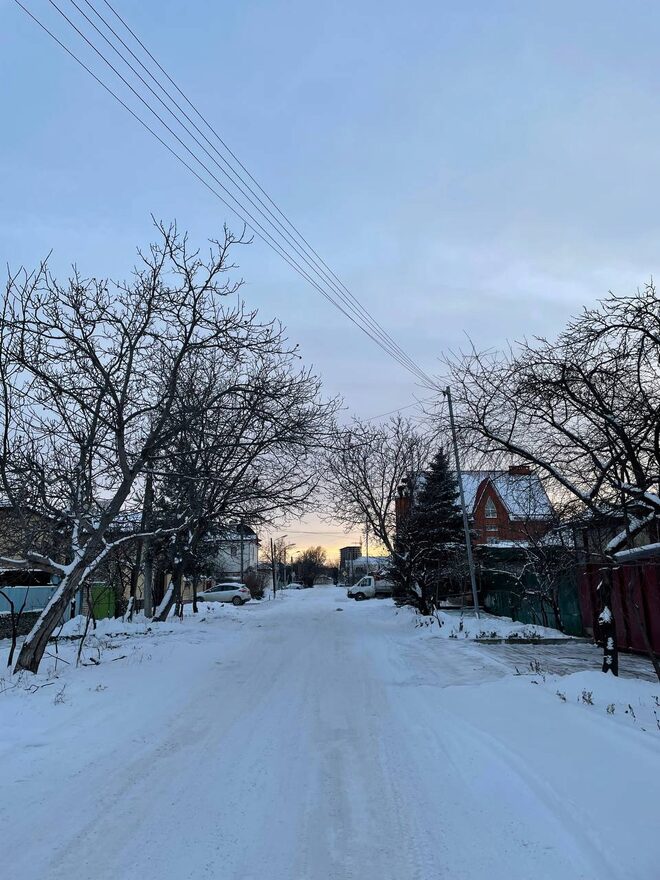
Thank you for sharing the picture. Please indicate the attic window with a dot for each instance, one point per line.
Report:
(490, 509)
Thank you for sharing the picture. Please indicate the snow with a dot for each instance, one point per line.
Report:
(465, 625)
(375, 561)
(635, 525)
(471, 482)
(286, 741)
(643, 552)
(523, 495)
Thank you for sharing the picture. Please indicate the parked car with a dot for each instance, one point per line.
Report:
(237, 594)
(295, 586)
(368, 587)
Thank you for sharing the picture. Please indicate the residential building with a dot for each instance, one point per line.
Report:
(503, 505)
(510, 505)
(236, 552)
(346, 557)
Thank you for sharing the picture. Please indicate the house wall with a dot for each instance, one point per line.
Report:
(503, 528)
(228, 558)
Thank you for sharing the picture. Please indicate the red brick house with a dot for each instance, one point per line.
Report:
(509, 505)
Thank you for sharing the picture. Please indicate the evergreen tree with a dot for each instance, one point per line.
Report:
(435, 523)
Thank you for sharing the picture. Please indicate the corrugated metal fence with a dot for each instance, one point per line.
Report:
(635, 602)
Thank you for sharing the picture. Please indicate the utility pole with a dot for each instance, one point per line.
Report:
(148, 570)
(242, 547)
(366, 538)
(272, 565)
(466, 522)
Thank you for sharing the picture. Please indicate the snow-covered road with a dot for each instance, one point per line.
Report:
(293, 741)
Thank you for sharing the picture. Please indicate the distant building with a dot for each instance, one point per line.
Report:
(346, 557)
(236, 552)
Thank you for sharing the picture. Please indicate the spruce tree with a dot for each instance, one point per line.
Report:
(435, 523)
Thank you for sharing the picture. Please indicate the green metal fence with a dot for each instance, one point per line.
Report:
(102, 598)
(511, 590)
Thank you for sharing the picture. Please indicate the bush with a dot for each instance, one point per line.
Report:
(256, 583)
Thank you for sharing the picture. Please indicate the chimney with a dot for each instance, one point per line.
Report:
(519, 470)
(401, 508)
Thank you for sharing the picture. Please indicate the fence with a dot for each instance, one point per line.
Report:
(36, 598)
(523, 600)
(635, 602)
(31, 599)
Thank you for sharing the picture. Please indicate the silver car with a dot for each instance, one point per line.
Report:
(237, 594)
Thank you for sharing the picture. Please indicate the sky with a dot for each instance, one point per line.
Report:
(477, 170)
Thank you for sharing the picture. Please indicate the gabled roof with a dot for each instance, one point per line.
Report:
(523, 495)
(471, 482)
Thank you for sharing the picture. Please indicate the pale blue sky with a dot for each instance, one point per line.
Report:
(480, 168)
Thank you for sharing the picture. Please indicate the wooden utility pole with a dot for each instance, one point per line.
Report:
(272, 565)
(466, 522)
(242, 548)
(147, 554)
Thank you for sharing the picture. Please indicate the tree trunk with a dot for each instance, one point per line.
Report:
(178, 595)
(195, 584)
(35, 643)
(135, 574)
(164, 609)
(607, 624)
(147, 580)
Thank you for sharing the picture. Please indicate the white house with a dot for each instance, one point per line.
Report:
(236, 553)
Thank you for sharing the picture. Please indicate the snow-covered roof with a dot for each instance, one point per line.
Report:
(371, 560)
(471, 482)
(523, 495)
(233, 533)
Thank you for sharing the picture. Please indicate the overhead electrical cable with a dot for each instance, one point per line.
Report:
(309, 254)
(220, 140)
(263, 235)
(320, 278)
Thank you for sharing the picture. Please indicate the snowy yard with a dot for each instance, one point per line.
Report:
(291, 740)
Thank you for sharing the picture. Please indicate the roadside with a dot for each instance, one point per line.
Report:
(315, 738)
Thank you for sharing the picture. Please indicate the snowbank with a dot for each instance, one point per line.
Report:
(631, 702)
(464, 625)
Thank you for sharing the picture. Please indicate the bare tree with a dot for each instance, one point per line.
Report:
(583, 409)
(246, 450)
(89, 373)
(310, 564)
(364, 469)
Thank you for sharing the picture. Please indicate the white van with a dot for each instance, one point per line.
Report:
(368, 587)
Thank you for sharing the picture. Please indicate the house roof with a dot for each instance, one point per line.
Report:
(373, 560)
(471, 482)
(523, 495)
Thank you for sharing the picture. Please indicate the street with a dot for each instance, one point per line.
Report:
(314, 738)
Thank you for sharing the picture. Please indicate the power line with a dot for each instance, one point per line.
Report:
(252, 223)
(312, 263)
(318, 263)
(401, 408)
(247, 172)
(373, 329)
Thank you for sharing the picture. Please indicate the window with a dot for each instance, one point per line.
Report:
(490, 510)
(234, 551)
